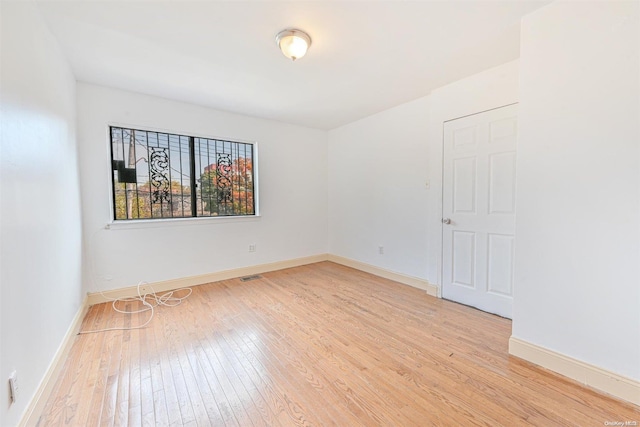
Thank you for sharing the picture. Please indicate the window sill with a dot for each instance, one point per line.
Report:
(172, 222)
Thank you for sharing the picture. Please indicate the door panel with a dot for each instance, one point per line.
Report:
(504, 128)
(479, 197)
(502, 182)
(464, 138)
(464, 185)
(500, 256)
(464, 254)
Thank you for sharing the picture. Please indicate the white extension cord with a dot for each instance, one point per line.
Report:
(167, 299)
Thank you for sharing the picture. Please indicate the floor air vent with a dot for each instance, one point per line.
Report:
(247, 278)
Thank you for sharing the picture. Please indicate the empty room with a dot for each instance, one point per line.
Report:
(320, 213)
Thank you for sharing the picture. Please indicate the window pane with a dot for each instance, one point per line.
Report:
(151, 176)
(224, 172)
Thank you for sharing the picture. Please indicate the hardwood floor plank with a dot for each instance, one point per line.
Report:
(146, 385)
(262, 393)
(157, 385)
(101, 383)
(194, 394)
(186, 412)
(316, 345)
(203, 372)
(117, 406)
(105, 391)
(169, 392)
(258, 408)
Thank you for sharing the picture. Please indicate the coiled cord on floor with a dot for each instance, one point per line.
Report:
(150, 300)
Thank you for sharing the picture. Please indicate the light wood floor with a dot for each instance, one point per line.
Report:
(315, 345)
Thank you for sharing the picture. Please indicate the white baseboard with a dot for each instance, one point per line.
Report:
(168, 285)
(432, 290)
(592, 376)
(39, 400)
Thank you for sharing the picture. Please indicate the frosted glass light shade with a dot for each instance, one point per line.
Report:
(293, 43)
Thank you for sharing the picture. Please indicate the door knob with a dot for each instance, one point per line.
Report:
(446, 220)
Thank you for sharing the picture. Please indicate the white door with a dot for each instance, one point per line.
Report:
(478, 209)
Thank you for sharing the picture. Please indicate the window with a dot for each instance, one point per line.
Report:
(162, 175)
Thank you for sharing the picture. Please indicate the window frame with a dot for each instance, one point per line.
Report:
(190, 220)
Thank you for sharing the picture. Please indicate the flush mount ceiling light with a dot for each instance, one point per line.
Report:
(293, 43)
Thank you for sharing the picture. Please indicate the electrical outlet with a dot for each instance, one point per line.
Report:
(381, 250)
(13, 386)
(252, 247)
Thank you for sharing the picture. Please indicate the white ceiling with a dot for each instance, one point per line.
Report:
(365, 56)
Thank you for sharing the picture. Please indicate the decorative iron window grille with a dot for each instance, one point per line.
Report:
(162, 175)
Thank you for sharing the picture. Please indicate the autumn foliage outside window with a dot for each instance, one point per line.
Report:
(162, 175)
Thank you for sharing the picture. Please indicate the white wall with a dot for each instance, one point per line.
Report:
(40, 249)
(293, 194)
(577, 274)
(379, 167)
(377, 194)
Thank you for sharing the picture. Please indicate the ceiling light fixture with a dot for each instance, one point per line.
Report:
(293, 43)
